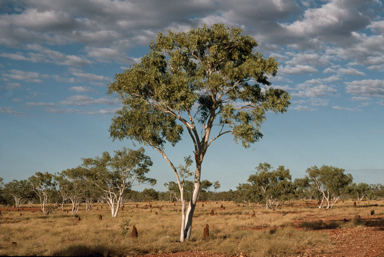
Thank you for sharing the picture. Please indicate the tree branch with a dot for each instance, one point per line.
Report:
(219, 135)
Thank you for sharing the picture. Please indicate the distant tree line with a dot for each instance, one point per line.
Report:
(109, 179)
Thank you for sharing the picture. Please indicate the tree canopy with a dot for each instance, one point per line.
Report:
(193, 81)
(213, 68)
(330, 181)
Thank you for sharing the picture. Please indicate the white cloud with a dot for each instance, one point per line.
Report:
(367, 87)
(331, 79)
(40, 104)
(332, 22)
(81, 89)
(10, 110)
(80, 100)
(17, 56)
(329, 70)
(360, 98)
(376, 67)
(319, 102)
(351, 71)
(13, 86)
(102, 111)
(303, 108)
(107, 111)
(90, 76)
(377, 26)
(345, 109)
(24, 75)
(286, 88)
(301, 101)
(107, 54)
(316, 91)
(62, 111)
(297, 69)
(309, 59)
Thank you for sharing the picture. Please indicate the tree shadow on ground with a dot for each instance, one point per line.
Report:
(82, 250)
(319, 225)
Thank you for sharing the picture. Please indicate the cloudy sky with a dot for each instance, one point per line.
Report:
(57, 56)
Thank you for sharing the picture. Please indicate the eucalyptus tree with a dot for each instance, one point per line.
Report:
(330, 181)
(248, 193)
(172, 189)
(216, 185)
(64, 187)
(19, 190)
(303, 188)
(205, 185)
(194, 81)
(113, 175)
(76, 186)
(378, 190)
(275, 185)
(42, 184)
(150, 194)
(361, 190)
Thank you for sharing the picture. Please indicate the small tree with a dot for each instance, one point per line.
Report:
(172, 188)
(378, 190)
(150, 194)
(247, 193)
(113, 175)
(204, 189)
(194, 81)
(303, 189)
(216, 185)
(330, 181)
(275, 185)
(76, 184)
(42, 184)
(361, 190)
(18, 189)
(64, 187)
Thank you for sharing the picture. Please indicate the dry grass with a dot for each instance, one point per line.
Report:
(232, 230)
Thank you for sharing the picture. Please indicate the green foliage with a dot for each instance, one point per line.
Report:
(42, 184)
(303, 188)
(248, 193)
(211, 67)
(272, 184)
(205, 185)
(378, 190)
(121, 170)
(150, 194)
(360, 191)
(330, 179)
(124, 227)
(216, 185)
(17, 188)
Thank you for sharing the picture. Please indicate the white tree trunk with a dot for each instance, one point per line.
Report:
(192, 204)
(337, 198)
(18, 201)
(182, 237)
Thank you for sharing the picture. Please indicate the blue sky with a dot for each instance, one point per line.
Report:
(56, 58)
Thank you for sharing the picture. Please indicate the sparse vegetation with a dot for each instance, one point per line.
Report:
(233, 230)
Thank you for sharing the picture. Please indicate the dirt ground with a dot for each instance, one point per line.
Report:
(360, 241)
(364, 239)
